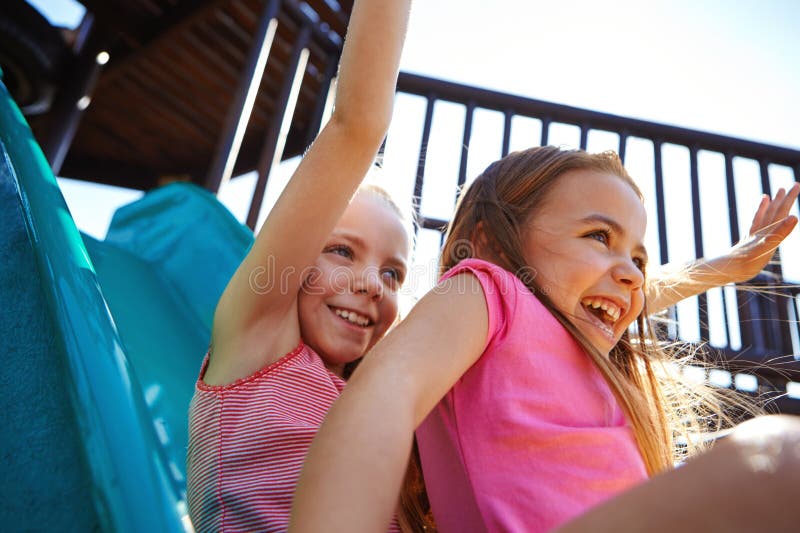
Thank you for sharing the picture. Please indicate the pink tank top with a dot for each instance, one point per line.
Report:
(531, 436)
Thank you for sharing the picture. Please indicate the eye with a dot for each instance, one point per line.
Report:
(640, 263)
(602, 235)
(339, 249)
(392, 277)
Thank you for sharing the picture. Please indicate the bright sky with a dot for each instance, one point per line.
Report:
(714, 65)
(717, 65)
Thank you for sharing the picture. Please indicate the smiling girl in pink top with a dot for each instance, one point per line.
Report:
(535, 399)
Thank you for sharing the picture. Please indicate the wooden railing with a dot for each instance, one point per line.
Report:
(757, 331)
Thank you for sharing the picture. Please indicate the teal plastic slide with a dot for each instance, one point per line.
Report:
(102, 342)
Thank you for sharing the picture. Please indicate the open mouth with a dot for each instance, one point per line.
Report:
(352, 317)
(606, 312)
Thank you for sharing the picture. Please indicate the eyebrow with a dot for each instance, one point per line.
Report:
(616, 228)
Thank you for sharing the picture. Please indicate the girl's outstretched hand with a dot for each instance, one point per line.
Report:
(771, 225)
(744, 260)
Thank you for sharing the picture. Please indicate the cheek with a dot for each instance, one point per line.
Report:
(637, 306)
(388, 310)
(312, 286)
(307, 304)
(312, 276)
(324, 278)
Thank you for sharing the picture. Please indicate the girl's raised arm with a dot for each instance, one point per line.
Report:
(265, 285)
(352, 475)
(771, 225)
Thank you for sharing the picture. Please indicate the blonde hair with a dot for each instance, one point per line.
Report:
(375, 183)
(644, 374)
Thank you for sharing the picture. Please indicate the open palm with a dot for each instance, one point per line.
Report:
(771, 225)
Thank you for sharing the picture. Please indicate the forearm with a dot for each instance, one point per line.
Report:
(672, 284)
(324, 182)
(720, 490)
(771, 225)
(352, 475)
(369, 66)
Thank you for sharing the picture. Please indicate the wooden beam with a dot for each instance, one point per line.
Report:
(71, 101)
(152, 33)
(239, 112)
(281, 121)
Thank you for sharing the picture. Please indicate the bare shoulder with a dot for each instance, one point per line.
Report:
(443, 335)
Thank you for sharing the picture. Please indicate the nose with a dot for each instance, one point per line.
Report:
(368, 281)
(627, 273)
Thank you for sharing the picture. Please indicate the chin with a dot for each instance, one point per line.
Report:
(599, 342)
(343, 358)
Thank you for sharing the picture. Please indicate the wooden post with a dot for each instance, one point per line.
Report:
(239, 112)
(279, 125)
(74, 96)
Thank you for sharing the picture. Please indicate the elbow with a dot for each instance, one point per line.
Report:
(364, 128)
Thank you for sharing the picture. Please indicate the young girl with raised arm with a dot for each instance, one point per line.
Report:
(535, 399)
(317, 289)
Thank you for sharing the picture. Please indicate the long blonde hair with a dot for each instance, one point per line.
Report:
(663, 407)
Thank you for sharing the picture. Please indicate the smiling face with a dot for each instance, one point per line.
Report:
(585, 244)
(350, 300)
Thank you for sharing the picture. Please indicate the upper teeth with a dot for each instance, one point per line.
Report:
(350, 316)
(611, 309)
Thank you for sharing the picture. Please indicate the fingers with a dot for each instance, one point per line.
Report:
(778, 227)
(771, 211)
(774, 206)
(783, 203)
(785, 228)
(789, 200)
(760, 216)
(768, 238)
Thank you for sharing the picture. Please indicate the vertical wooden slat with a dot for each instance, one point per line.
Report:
(545, 131)
(623, 144)
(423, 151)
(661, 212)
(661, 217)
(766, 188)
(465, 140)
(381, 151)
(281, 121)
(239, 111)
(733, 213)
(315, 122)
(507, 116)
(733, 221)
(775, 332)
(725, 322)
(763, 166)
(702, 298)
(73, 97)
(584, 142)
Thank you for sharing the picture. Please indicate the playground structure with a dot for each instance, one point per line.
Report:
(105, 338)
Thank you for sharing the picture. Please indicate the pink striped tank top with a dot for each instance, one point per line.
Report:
(248, 440)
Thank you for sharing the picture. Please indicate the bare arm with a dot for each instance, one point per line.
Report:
(318, 193)
(352, 475)
(719, 490)
(771, 225)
